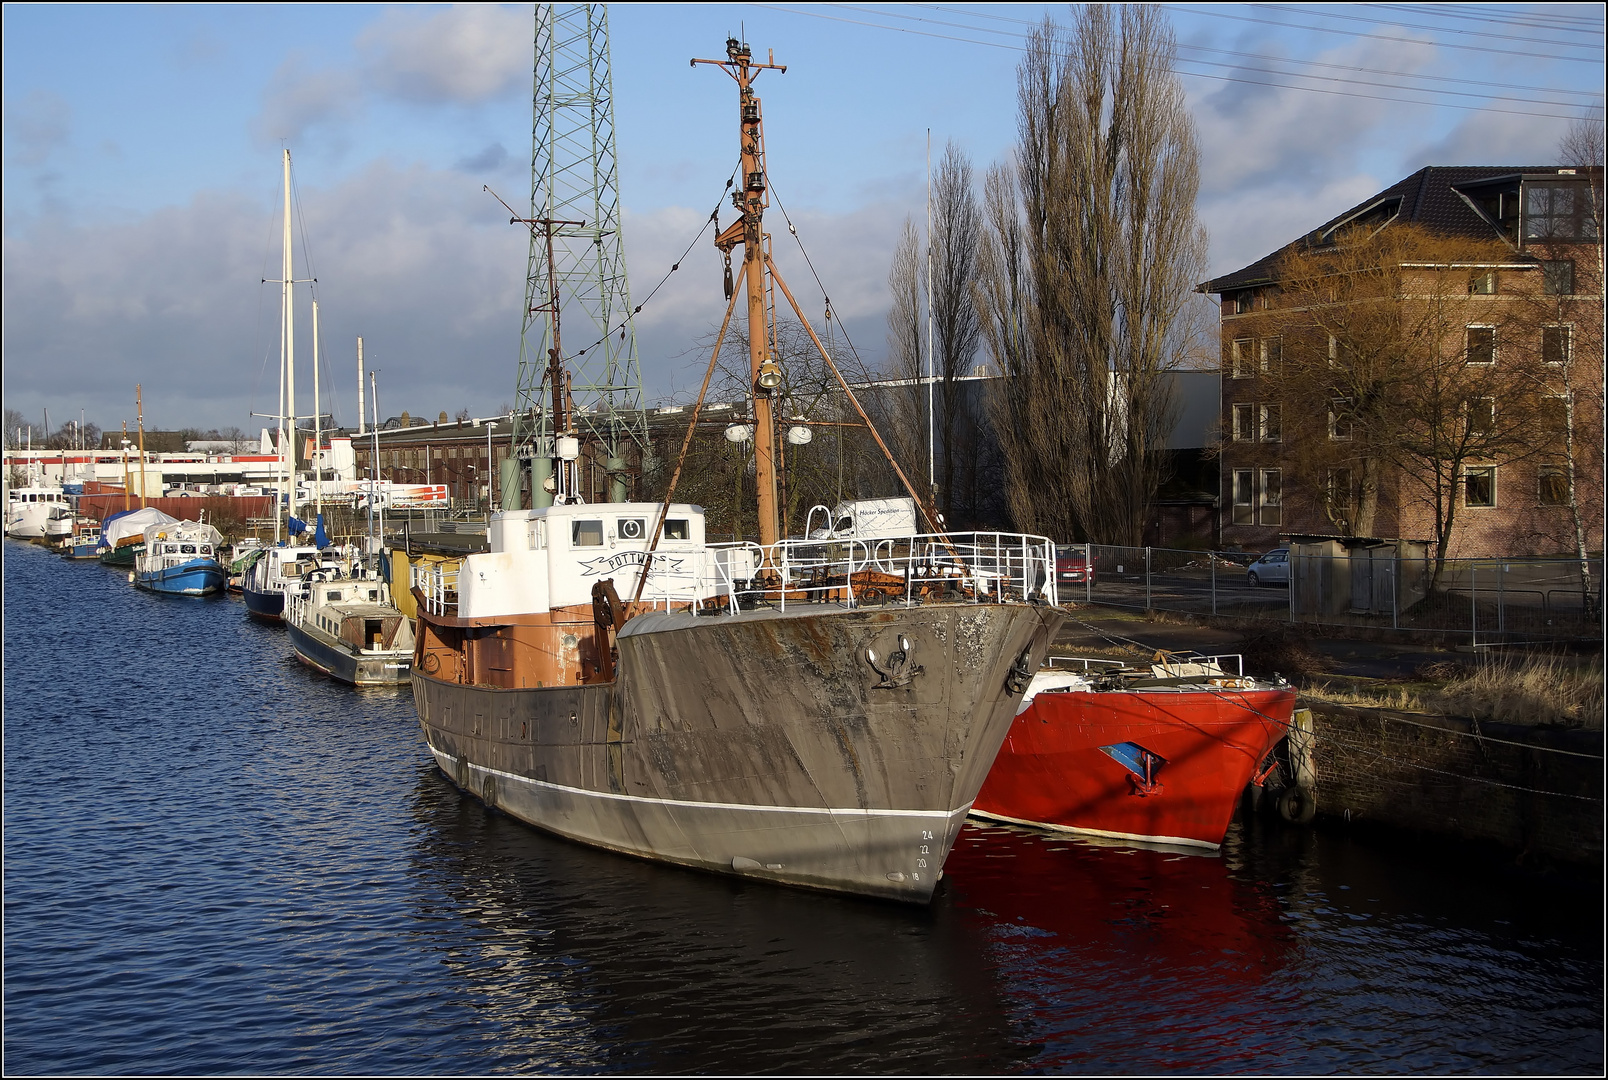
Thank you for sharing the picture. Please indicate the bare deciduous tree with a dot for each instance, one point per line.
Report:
(1095, 230)
(1405, 358)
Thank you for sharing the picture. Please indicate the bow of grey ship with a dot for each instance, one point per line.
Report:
(830, 735)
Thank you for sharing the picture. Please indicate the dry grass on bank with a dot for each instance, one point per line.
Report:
(1515, 689)
(1530, 689)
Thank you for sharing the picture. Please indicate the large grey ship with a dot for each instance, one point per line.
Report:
(818, 713)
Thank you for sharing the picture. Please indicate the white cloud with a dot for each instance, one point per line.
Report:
(415, 261)
(1256, 135)
(466, 54)
(299, 97)
(37, 127)
(1488, 138)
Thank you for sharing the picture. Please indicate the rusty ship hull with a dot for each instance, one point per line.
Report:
(817, 746)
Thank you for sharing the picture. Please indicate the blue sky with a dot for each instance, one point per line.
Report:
(141, 167)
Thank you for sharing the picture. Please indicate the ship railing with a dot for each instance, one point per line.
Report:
(983, 567)
(438, 585)
(1172, 664)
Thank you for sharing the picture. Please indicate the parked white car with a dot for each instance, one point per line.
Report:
(1271, 569)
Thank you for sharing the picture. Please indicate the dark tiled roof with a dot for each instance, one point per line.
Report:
(1428, 197)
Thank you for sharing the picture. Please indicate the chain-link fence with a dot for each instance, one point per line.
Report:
(1490, 600)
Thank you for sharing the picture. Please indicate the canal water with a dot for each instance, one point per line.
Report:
(216, 861)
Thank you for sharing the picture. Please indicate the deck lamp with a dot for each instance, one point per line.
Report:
(770, 376)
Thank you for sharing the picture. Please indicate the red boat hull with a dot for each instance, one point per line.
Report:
(1077, 760)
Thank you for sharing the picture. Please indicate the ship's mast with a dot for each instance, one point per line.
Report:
(287, 366)
(750, 199)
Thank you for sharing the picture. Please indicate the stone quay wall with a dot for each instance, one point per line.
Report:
(1536, 791)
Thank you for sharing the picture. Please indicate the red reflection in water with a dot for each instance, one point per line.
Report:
(1160, 957)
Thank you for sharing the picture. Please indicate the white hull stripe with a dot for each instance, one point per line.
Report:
(1176, 841)
(692, 805)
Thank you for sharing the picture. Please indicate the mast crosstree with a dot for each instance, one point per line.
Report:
(576, 271)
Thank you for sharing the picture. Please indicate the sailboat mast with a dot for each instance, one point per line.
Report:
(751, 200)
(318, 427)
(288, 449)
(139, 416)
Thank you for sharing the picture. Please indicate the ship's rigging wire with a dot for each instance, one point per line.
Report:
(864, 373)
(710, 220)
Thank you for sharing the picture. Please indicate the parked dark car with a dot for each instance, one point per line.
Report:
(1271, 569)
(1072, 566)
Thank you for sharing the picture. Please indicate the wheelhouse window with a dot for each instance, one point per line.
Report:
(586, 534)
(1479, 486)
(1555, 344)
(632, 528)
(1481, 345)
(677, 529)
(1244, 497)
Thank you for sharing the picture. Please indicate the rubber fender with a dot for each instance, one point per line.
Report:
(1297, 806)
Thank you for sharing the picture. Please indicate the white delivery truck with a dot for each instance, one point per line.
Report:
(863, 519)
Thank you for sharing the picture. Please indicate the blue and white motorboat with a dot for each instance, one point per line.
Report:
(180, 559)
(281, 570)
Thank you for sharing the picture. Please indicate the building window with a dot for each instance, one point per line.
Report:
(1337, 489)
(1482, 283)
(1481, 343)
(1240, 358)
(1244, 497)
(1340, 419)
(1334, 351)
(1272, 429)
(1479, 486)
(1558, 212)
(1272, 355)
(1554, 415)
(1481, 415)
(1270, 510)
(1244, 302)
(1557, 277)
(1553, 485)
(1244, 423)
(1555, 344)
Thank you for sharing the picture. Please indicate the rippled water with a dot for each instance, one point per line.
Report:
(216, 861)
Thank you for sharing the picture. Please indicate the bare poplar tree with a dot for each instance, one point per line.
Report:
(906, 403)
(956, 327)
(1101, 208)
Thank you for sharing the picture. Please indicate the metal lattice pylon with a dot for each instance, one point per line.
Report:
(575, 177)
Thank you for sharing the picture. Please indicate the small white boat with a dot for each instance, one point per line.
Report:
(348, 628)
(29, 509)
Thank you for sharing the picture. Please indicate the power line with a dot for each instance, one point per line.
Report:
(1536, 20)
(1212, 14)
(1229, 78)
(1442, 29)
(1307, 63)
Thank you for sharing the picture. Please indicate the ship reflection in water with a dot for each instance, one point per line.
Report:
(223, 862)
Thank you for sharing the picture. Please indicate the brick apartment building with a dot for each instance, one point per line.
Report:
(1547, 220)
